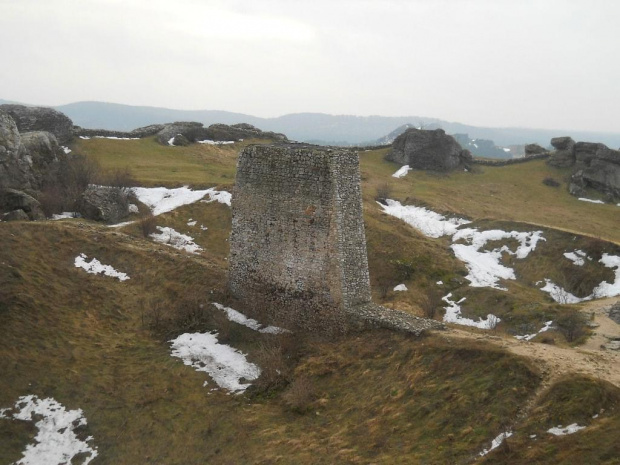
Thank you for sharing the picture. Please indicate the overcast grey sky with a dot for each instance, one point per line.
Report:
(537, 63)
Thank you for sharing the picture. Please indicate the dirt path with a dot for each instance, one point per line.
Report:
(554, 361)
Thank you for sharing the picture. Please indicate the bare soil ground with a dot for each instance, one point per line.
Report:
(592, 358)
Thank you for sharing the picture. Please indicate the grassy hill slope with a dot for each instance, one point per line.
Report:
(94, 343)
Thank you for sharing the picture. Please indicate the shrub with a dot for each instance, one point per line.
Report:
(300, 394)
(431, 302)
(148, 224)
(404, 269)
(62, 187)
(275, 369)
(572, 325)
(384, 191)
(549, 181)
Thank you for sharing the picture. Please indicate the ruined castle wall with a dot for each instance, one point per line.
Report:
(297, 241)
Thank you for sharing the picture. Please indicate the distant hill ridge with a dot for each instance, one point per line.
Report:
(310, 127)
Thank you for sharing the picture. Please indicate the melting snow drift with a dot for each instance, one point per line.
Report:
(56, 442)
(224, 364)
(96, 267)
(238, 317)
(570, 429)
(175, 239)
(429, 223)
(402, 172)
(485, 269)
(162, 200)
(496, 442)
(603, 290)
(453, 315)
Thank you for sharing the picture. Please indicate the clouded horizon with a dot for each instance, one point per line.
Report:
(550, 64)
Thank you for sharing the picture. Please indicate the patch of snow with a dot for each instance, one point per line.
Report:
(171, 141)
(506, 149)
(476, 145)
(203, 228)
(496, 442)
(56, 441)
(240, 318)
(215, 142)
(453, 315)
(439, 283)
(175, 239)
(429, 223)
(560, 295)
(84, 137)
(485, 269)
(606, 289)
(133, 208)
(570, 429)
(162, 200)
(120, 225)
(400, 287)
(603, 290)
(529, 337)
(65, 215)
(116, 138)
(402, 172)
(191, 222)
(223, 363)
(218, 196)
(96, 267)
(577, 257)
(583, 199)
(67, 150)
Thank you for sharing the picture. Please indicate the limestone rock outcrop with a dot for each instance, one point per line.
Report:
(534, 149)
(564, 155)
(596, 166)
(17, 205)
(429, 150)
(15, 166)
(30, 119)
(103, 203)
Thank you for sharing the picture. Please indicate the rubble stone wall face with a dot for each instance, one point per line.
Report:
(298, 246)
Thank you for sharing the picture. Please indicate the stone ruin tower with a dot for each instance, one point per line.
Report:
(297, 246)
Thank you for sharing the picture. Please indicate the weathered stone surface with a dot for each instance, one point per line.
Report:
(534, 149)
(30, 119)
(603, 176)
(101, 203)
(190, 130)
(14, 162)
(563, 143)
(428, 150)
(15, 215)
(145, 131)
(224, 132)
(12, 200)
(614, 312)
(297, 246)
(585, 152)
(44, 152)
(180, 140)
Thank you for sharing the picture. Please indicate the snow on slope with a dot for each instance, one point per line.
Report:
(223, 363)
(56, 442)
(162, 200)
(96, 267)
(173, 238)
(428, 222)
